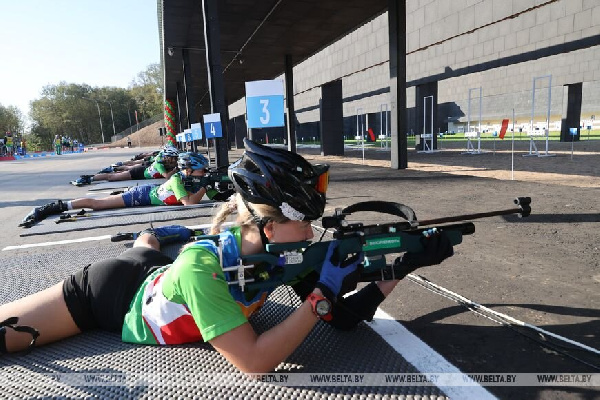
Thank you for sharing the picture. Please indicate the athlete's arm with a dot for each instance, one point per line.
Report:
(252, 353)
(193, 198)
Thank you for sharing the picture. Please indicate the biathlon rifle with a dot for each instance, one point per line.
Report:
(196, 234)
(215, 178)
(286, 262)
(70, 217)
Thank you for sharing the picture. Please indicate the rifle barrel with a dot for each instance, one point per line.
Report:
(464, 217)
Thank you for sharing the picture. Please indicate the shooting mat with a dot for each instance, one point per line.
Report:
(121, 217)
(326, 350)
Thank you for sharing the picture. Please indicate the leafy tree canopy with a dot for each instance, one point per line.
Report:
(90, 114)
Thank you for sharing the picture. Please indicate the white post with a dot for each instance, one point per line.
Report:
(548, 115)
(512, 152)
(425, 135)
(360, 130)
(479, 136)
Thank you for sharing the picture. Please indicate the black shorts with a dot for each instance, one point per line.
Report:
(100, 294)
(137, 172)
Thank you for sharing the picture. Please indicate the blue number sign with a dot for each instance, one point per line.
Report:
(197, 131)
(187, 135)
(264, 103)
(212, 126)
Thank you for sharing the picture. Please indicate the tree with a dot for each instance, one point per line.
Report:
(63, 110)
(11, 120)
(72, 109)
(147, 90)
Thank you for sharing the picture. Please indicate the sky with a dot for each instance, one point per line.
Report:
(96, 42)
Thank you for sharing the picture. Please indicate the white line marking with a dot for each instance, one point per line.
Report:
(67, 241)
(94, 238)
(421, 356)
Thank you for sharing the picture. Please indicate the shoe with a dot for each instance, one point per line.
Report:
(40, 213)
(83, 180)
(106, 170)
(169, 234)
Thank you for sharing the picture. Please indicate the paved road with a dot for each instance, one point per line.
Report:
(471, 342)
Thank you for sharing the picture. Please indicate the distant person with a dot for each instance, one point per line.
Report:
(129, 141)
(3, 147)
(23, 146)
(9, 144)
(57, 144)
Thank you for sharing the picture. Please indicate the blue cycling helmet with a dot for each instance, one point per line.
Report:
(170, 151)
(192, 160)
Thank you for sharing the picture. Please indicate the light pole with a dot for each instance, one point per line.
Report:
(129, 114)
(99, 115)
(111, 116)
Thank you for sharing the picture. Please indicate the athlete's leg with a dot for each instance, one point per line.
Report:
(118, 176)
(104, 203)
(147, 240)
(45, 311)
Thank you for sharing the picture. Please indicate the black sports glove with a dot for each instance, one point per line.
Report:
(195, 183)
(436, 248)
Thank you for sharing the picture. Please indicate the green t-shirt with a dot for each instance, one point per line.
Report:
(170, 192)
(156, 170)
(190, 300)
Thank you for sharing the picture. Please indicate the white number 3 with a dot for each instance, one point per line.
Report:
(267, 117)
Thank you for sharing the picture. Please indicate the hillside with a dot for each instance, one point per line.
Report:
(145, 137)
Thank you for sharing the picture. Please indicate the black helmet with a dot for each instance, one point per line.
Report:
(281, 179)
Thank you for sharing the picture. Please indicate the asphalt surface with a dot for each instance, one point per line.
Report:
(540, 271)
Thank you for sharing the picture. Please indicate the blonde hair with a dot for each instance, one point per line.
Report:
(244, 217)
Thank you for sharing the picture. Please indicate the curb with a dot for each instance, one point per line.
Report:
(35, 155)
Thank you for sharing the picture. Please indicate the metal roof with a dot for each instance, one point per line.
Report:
(255, 37)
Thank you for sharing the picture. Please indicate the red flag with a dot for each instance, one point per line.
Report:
(136, 120)
(503, 129)
(371, 135)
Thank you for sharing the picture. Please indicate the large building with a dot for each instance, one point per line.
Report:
(455, 51)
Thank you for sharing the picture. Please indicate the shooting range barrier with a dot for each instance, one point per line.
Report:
(121, 217)
(384, 126)
(476, 132)
(42, 373)
(533, 132)
(427, 139)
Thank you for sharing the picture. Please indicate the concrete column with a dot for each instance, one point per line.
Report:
(572, 113)
(397, 42)
(212, 40)
(289, 99)
(332, 119)
(179, 106)
(192, 118)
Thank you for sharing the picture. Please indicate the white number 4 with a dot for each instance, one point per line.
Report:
(267, 117)
(212, 128)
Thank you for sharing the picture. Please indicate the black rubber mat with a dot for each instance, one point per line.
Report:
(326, 350)
(120, 217)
